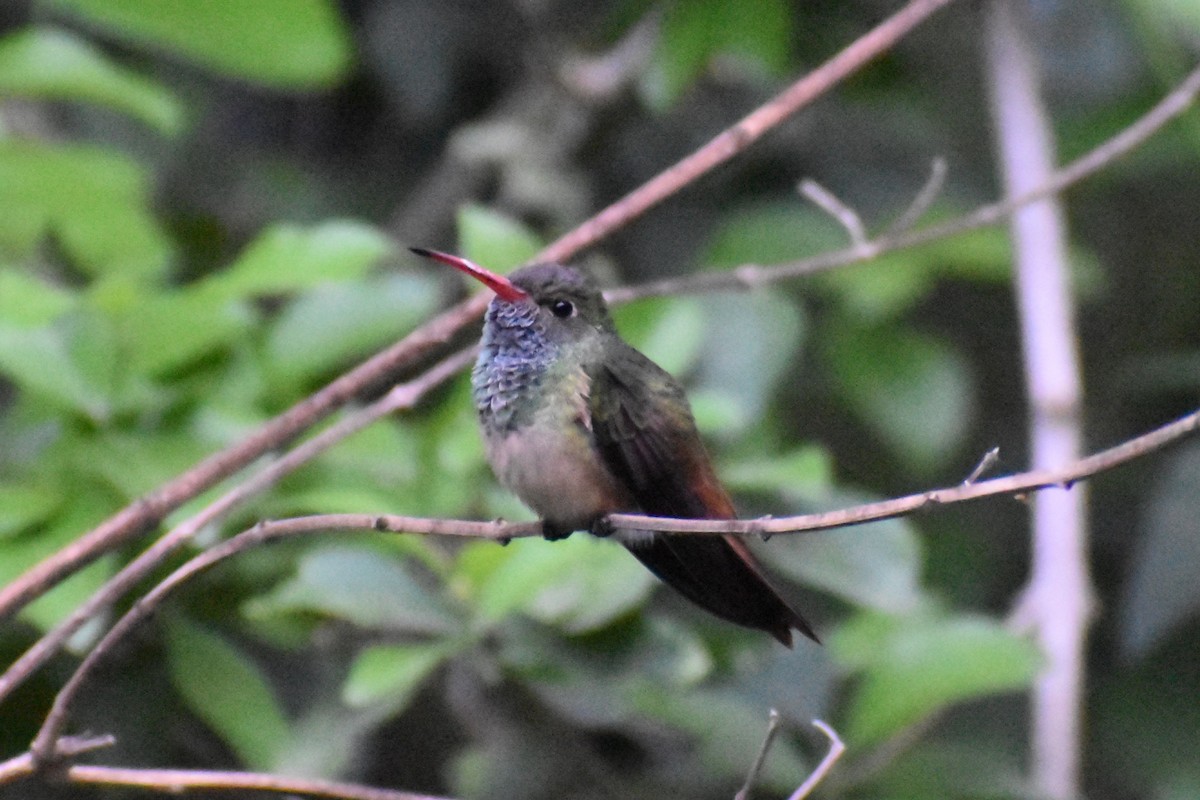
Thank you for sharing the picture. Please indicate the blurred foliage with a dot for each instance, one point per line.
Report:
(201, 209)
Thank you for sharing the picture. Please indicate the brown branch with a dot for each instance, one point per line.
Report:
(773, 720)
(149, 511)
(836, 748)
(1013, 484)
(24, 765)
(177, 781)
(44, 743)
(750, 276)
(732, 141)
(401, 397)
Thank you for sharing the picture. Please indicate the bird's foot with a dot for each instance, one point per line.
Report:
(552, 532)
(602, 527)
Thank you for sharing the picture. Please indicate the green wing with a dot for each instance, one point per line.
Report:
(647, 438)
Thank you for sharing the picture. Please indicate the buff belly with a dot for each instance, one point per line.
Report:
(556, 472)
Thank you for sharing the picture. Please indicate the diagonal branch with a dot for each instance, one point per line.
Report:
(750, 129)
(750, 276)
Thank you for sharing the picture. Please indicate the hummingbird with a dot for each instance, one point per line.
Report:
(579, 424)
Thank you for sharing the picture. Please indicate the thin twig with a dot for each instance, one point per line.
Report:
(177, 781)
(147, 512)
(773, 719)
(734, 140)
(836, 748)
(832, 205)
(1171, 106)
(985, 464)
(922, 201)
(68, 747)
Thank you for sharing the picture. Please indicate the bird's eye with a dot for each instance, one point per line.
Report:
(562, 309)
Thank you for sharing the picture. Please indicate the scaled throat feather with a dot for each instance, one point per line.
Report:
(512, 366)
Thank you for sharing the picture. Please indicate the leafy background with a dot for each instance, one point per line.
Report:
(202, 210)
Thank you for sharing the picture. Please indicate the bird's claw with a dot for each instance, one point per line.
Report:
(553, 533)
(602, 527)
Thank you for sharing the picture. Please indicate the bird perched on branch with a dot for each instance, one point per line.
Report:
(579, 424)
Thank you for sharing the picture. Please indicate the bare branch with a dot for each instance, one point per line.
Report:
(836, 748)
(176, 781)
(756, 768)
(751, 276)
(734, 140)
(832, 205)
(985, 464)
(68, 747)
(1035, 480)
(922, 201)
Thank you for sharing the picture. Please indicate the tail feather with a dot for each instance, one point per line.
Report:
(719, 574)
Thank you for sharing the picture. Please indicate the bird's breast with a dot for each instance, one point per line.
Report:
(551, 462)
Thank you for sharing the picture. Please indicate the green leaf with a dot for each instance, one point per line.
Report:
(227, 690)
(579, 584)
(93, 201)
(771, 234)
(751, 340)
(753, 34)
(912, 390)
(668, 330)
(495, 240)
(162, 331)
(390, 675)
(80, 508)
(913, 666)
(51, 63)
(287, 44)
(40, 361)
(366, 586)
(803, 471)
(330, 324)
(27, 302)
(23, 505)
(288, 257)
